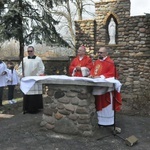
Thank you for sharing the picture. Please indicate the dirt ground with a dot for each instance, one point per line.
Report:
(23, 132)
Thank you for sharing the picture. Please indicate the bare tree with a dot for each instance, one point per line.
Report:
(67, 13)
(81, 7)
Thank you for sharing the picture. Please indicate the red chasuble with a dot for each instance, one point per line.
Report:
(107, 69)
(85, 62)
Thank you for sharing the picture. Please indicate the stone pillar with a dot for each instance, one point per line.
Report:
(85, 35)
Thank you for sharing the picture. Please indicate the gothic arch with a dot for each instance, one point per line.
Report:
(108, 16)
(106, 23)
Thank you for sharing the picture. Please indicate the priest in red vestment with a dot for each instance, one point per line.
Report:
(81, 65)
(104, 67)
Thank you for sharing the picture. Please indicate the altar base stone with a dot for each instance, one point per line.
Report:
(69, 109)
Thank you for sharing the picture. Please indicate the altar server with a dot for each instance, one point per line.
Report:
(12, 82)
(3, 79)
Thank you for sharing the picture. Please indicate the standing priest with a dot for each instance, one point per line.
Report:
(32, 66)
(106, 101)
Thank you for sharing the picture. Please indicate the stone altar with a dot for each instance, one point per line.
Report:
(69, 106)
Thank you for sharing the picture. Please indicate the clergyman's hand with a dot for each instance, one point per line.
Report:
(78, 68)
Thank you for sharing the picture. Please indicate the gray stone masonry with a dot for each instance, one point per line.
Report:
(69, 107)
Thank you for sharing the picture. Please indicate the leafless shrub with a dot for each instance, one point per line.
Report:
(11, 49)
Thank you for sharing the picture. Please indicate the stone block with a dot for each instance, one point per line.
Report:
(66, 126)
(58, 115)
(130, 141)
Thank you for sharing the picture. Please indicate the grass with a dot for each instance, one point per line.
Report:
(5, 102)
(7, 107)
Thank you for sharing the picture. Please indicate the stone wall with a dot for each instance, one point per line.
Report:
(131, 52)
(85, 34)
(57, 66)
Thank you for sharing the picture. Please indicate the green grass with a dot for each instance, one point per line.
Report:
(5, 102)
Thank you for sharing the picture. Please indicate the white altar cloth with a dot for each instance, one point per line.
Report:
(27, 83)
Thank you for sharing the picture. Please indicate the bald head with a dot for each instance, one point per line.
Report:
(81, 51)
(103, 52)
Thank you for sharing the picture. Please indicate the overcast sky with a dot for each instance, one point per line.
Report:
(138, 7)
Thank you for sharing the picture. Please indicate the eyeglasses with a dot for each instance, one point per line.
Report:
(30, 51)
